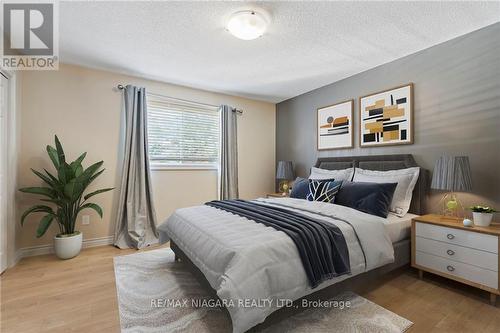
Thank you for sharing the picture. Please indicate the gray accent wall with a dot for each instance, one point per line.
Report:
(456, 111)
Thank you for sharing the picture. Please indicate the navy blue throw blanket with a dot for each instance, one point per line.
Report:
(322, 246)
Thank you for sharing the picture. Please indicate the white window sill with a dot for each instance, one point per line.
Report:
(162, 167)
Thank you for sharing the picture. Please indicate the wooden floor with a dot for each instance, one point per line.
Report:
(44, 294)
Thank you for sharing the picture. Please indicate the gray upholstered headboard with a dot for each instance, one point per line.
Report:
(383, 163)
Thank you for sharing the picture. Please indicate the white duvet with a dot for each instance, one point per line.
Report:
(244, 260)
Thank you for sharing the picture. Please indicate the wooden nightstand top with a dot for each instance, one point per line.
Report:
(453, 222)
(276, 195)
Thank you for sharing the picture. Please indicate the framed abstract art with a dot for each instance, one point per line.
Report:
(334, 126)
(386, 117)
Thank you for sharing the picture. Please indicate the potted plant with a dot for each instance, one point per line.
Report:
(64, 199)
(482, 215)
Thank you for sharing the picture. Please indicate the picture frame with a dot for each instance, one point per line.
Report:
(334, 126)
(386, 117)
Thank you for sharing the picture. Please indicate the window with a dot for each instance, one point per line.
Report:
(182, 134)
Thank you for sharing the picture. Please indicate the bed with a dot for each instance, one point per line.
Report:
(240, 259)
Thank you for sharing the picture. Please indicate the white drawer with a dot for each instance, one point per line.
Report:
(470, 239)
(468, 272)
(462, 254)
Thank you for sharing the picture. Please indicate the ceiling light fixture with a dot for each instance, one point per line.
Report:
(247, 24)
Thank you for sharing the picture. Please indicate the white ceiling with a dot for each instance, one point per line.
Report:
(308, 45)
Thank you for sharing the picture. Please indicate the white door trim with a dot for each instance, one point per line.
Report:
(4, 193)
(11, 153)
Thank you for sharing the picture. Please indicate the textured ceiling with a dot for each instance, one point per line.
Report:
(308, 45)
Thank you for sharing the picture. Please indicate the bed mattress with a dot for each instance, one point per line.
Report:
(398, 228)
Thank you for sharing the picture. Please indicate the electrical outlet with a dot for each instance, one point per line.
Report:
(85, 219)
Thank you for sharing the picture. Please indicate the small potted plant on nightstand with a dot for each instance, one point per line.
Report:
(482, 215)
(64, 199)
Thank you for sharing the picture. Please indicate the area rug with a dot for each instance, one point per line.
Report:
(157, 294)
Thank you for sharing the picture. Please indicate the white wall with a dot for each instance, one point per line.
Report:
(82, 107)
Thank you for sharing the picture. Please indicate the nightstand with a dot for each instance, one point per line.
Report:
(277, 195)
(444, 246)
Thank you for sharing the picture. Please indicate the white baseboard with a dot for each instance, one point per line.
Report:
(49, 248)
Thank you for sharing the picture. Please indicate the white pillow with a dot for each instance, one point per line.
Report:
(343, 174)
(406, 179)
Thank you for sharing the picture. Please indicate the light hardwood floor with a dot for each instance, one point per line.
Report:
(44, 294)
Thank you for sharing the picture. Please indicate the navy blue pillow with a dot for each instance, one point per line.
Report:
(300, 188)
(323, 190)
(371, 198)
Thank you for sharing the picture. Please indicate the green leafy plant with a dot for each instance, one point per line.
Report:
(64, 191)
(482, 209)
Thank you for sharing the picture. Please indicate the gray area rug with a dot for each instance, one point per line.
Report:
(155, 294)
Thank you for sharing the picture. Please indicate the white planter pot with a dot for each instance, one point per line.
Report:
(482, 219)
(68, 246)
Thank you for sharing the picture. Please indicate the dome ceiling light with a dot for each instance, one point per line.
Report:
(247, 24)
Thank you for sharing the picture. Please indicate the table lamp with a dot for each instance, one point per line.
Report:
(285, 174)
(452, 174)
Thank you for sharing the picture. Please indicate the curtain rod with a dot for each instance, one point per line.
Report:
(239, 111)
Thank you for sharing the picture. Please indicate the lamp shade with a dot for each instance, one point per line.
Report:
(285, 170)
(452, 173)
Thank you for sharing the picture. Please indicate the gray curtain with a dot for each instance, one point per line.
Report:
(136, 219)
(229, 154)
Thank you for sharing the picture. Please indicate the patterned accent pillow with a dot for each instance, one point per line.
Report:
(300, 188)
(323, 190)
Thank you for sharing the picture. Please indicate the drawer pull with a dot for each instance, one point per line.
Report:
(450, 268)
(450, 236)
(450, 252)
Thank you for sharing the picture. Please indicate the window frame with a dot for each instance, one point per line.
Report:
(156, 165)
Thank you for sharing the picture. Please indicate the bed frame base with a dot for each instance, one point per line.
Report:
(359, 283)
